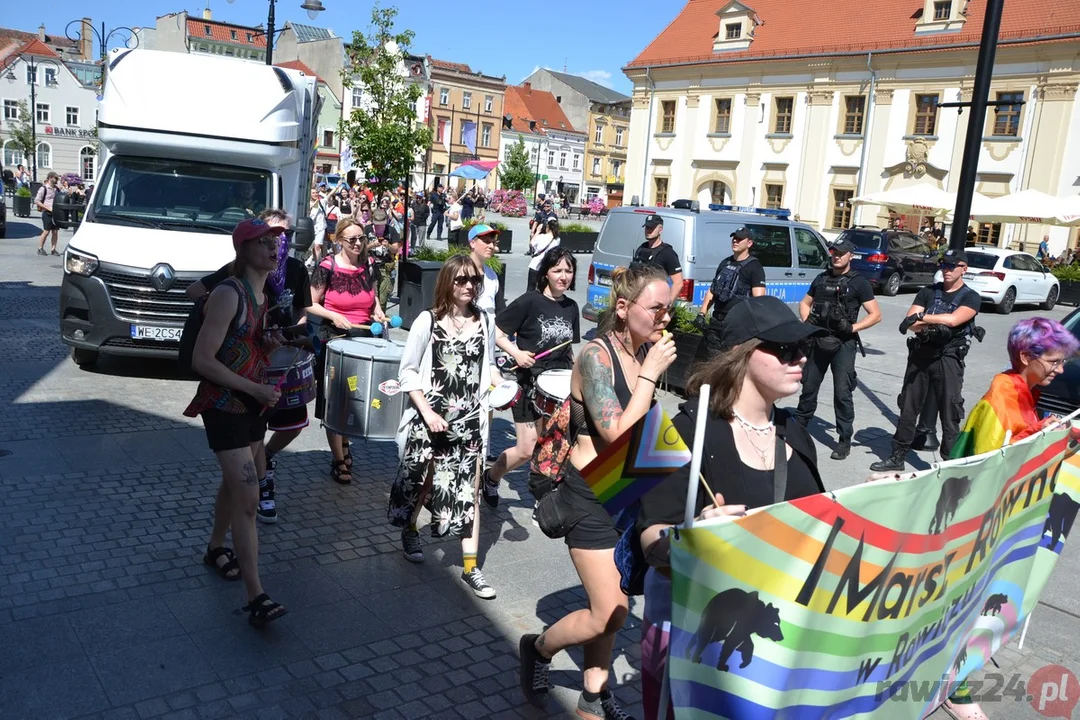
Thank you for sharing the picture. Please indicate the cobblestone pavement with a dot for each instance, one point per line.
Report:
(107, 612)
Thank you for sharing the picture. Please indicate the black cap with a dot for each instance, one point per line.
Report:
(765, 318)
(742, 234)
(843, 245)
(954, 257)
(652, 221)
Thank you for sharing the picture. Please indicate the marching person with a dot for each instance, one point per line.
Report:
(483, 239)
(317, 213)
(447, 369)
(612, 389)
(942, 318)
(344, 285)
(654, 251)
(539, 244)
(542, 319)
(231, 354)
(743, 432)
(737, 276)
(833, 303)
(453, 218)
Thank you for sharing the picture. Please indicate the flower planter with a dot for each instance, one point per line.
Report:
(1070, 292)
(20, 206)
(578, 242)
(690, 348)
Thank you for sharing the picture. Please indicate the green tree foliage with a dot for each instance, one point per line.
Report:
(515, 173)
(383, 133)
(22, 133)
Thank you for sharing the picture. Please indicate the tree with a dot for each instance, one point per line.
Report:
(384, 133)
(516, 173)
(22, 133)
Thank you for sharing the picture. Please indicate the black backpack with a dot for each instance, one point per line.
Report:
(194, 324)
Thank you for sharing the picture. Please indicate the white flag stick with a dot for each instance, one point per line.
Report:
(695, 460)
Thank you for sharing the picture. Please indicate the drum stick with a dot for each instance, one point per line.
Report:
(545, 353)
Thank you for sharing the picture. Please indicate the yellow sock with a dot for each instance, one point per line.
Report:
(470, 562)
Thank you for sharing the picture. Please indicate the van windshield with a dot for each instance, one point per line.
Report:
(864, 239)
(623, 232)
(179, 195)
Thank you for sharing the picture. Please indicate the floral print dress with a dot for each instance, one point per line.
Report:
(453, 455)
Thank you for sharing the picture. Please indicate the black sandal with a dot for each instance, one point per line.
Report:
(212, 556)
(339, 471)
(263, 610)
(348, 457)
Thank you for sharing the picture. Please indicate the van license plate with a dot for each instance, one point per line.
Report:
(153, 332)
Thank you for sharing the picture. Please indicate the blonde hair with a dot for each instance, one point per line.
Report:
(344, 224)
(725, 374)
(627, 284)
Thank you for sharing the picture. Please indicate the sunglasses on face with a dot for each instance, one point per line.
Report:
(950, 266)
(353, 239)
(659, 312)
(268, 241)
(463, 280)
(786, 353)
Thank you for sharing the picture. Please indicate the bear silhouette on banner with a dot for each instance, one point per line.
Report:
(1059, 519)
(953, 490)
(731, 618)
(994, 603)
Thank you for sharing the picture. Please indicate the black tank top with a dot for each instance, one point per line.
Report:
(580, 419)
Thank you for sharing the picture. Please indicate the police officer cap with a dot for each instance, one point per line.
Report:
(652, 221)
(742, 234)
(843, 245)
(954, 257)
(766, 318)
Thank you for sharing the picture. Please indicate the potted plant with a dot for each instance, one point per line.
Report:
(21, 205)
(690, 347)
(1069, 278)
(578, 237)
(419, 272)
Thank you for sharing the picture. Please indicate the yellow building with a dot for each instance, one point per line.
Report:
(605, 151)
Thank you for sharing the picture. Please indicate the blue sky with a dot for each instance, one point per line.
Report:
(511, 38)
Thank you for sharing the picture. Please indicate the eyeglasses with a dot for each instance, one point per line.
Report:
(658, 312)
(353, 239)
(1054, 364)
(463, 280)
(786, 353)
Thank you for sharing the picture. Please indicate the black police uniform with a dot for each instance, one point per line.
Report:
(734, 280)
(837, 299)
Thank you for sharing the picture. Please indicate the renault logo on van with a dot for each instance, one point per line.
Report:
(162, 277)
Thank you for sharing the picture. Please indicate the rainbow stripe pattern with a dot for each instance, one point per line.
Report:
(636, 461)
(838, 606)
(1008, 405)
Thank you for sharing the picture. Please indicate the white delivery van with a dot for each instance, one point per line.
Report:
(190, 145)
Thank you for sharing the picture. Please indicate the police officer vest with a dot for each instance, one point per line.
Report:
(939, 306)
(730, 283)
(832, 300)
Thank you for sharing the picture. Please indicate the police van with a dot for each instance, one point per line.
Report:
(792, 253)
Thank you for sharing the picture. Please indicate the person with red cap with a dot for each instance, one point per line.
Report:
(231, 354)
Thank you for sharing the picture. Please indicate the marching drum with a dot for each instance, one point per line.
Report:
(505, 395)
(362, 396)
(552, 389)
(298, 388)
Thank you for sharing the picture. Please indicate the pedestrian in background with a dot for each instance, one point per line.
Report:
(421, 212)
(438, 207)
(539, 244)
(43, 201)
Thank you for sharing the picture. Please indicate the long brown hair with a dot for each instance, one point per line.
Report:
(627, 284)
(444, 285)
(725, 374)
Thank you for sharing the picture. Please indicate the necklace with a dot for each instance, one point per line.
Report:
(763, 430)
(623, 343)
(762, 453)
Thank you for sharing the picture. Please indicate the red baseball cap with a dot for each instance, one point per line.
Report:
(252, 229)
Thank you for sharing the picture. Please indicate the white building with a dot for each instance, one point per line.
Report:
(556, 148)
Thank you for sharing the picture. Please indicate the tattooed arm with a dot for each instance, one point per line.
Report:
(601, 402)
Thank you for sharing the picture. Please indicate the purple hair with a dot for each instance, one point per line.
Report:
(1037, 336)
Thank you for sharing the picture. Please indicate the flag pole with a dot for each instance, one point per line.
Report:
(696, 454)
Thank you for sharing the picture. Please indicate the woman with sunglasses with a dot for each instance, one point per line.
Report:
(344, 284)
(612, 388)
(756, 454)
(447, 368)
(363, 211)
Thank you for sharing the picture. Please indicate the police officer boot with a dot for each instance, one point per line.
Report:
(843, 449)
(926, 441)
(893, 463)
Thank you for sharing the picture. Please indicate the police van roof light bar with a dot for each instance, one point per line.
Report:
(780, 214)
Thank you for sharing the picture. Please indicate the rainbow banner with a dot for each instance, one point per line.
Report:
(636, 461)
(838, 606)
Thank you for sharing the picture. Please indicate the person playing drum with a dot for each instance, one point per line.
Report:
(447, 369)
(290, 291)
(344, 285)
(230, 355)
(541, 319)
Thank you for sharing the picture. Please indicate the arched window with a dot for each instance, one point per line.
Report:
(720, 193)
(13, 155)
(44, 155)
(88, 163)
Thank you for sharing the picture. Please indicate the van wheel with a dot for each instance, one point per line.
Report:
(84, 358)
(1006, 305)
(1051, 299)
(891, 286)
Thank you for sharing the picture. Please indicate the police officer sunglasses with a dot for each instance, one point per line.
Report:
(786, 353)
(950, 266)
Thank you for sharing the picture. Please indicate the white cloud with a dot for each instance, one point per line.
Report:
(600, 77)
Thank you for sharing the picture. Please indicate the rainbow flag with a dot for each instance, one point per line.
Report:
(838, 606)
(636, 461)
(1007, 406)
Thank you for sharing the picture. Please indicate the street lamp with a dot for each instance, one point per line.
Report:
(32, 66)
(313, 8)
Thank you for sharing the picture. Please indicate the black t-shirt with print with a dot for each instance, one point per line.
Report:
(663, 256)
(297, 292)
(540, 324)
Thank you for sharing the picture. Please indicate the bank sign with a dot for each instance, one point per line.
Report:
(68, 132)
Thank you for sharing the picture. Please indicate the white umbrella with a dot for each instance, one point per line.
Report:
(1070, 211)
(921, 199)
(1026, 206)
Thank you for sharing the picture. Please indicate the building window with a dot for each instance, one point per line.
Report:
(926, 108)
(11, 111)
(72, 116)
(723, 116)
(485, 135)
(444, 96)
(841, 215)
(12, 154)
(784, 108)
(44, 155)
(562, 160)
(1007, 117)
(942, 9)
(232, 34)
(551, 158)
(733, 31)
(44, 113)
(720, 193)
(576, 161)
(616, 168)
(88, 163)
(328, 138)
(774, 197)
(50, 77)
(854, 107)
(989, 233)
(461, 132)
(595, 166)
(357, 97)
(31, 75)
(466, 100)
(489, 103)
(250, 38)
(441, 134)
(667, 117)
(661, 191)
(618, 137)
(206, 29)
(598, 136)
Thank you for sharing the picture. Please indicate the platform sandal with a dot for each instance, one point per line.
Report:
(263, 610)
(339, 471)
(233, 565)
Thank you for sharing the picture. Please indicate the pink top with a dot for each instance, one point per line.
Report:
(349, 291)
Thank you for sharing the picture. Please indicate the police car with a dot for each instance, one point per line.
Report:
(792, 253)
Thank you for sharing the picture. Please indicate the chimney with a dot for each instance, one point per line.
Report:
(206, 15)
(528, 87)
(86, 39)
(41, 32)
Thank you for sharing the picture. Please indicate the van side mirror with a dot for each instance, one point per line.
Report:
(304, 234)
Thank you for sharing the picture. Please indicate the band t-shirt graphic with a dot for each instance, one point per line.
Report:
(540, 324)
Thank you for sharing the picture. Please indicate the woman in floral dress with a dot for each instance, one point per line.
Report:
(447, 369)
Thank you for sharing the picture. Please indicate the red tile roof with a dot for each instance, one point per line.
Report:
(222, 32)
(514, 106)
(814, 27)
(446, 65)
(297, 65)
(34, 47)
(543, 107)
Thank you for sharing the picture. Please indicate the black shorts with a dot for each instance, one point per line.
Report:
(524, 410)
(294, 418)
(47, 222)
(596, 529)
(232, 431)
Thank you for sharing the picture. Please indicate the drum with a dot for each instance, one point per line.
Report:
(552, 388)
(355, 406)
(298, 388)
(505, 395)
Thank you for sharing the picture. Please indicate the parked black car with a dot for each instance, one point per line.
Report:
(1062, 395)
(891, 259)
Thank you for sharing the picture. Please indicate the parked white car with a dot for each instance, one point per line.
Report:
(1007, 278)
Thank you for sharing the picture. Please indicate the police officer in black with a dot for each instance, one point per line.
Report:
(942, 319)
(833, 303)
(737, 276)
(654, 251)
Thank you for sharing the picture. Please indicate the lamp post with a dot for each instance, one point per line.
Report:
(313, 8)
(101, 36)
(32, 66)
